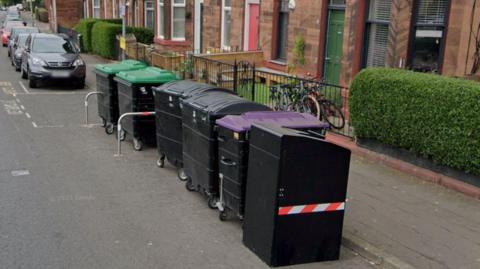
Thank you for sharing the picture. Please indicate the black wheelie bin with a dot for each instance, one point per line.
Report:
(168, 114)
(233, 145)
(200, 153)
(135, 95)
(295, 197)
(107, 98)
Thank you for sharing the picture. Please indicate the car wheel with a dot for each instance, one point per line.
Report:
(32, 83)
(80, 84)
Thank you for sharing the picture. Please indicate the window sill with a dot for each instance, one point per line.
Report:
(165, 42)
(278, 62)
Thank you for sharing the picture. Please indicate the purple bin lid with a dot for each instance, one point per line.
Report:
(292, 120)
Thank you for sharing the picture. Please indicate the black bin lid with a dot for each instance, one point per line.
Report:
(186, 88)
(217, 103)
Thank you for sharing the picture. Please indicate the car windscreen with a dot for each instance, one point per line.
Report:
(17, 31)
(9, 27)
(52, 45)
(22, 39)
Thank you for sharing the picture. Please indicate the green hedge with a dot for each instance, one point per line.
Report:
(104, 38)
(143, 35)
(432, 116)
(84, 27)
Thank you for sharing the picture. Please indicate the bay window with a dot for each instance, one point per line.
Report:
(377, 29)
(226, 23)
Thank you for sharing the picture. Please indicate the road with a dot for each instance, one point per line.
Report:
(67, 202)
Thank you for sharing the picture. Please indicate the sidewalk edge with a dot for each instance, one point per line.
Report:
(373, 254)
(408, 168)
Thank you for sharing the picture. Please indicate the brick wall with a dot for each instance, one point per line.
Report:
(458, 57)
(304, 20)
(69, 12)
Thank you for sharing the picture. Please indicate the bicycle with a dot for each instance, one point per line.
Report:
(323, 109)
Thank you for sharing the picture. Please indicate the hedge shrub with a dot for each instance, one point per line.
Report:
(104, 38)
(143, 35)
(84, 27)
(432, 116)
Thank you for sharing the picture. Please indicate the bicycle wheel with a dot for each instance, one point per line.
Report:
(311, 106)
(332, 114)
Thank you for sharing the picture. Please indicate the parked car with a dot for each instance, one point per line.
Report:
(52, 57)
(3, 9)
(17, 50)
(7, 29)
(16, 31)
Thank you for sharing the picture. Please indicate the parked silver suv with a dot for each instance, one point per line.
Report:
(52, 57)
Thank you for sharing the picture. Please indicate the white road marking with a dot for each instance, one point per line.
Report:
(22, 107)
(18, 173)
(34, 124)
(18, 100)
(11, 107)
(23, 87)
(9, 91)
(50, 126)
(28, 115)
(52, 93)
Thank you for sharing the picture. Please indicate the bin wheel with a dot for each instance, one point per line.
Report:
(181, 174)
(137, 144)
(122, 135)
(212, 202)
(223, 216)
(109, 129)
(104, 122)
(189, 185)
(161, 162)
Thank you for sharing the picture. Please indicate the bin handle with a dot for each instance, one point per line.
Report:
(221, 138)
(227, 162)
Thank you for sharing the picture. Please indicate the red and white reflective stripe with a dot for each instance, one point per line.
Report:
(313, 208)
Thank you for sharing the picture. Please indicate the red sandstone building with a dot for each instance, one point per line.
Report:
(340, 37)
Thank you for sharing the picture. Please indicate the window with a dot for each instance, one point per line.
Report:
(161, 19)
(377, 32)
(96, 8)
(149, 14)
(226, 23)
(282, 30)
(428, 35)
(178, 20)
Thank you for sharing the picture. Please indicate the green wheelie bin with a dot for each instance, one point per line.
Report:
(135, 94)
(107, 98)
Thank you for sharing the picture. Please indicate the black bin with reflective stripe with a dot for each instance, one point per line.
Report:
(295, 196)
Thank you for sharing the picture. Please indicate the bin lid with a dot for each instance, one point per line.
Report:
(149, 75)
(186, 88)
(114, 68)
(293, 120)
(217, 103)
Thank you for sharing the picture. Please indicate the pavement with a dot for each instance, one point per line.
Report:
(67, 202)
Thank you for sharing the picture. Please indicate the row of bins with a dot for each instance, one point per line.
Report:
(168, 112)
(249, 161)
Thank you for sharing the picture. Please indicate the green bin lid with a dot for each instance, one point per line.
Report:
(126, 65)
(149, 75)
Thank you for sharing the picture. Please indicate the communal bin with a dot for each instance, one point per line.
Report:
(135, 95)
(200, 154)
(295, 196)
(233, 145)
(108, 98)
(168, 114)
